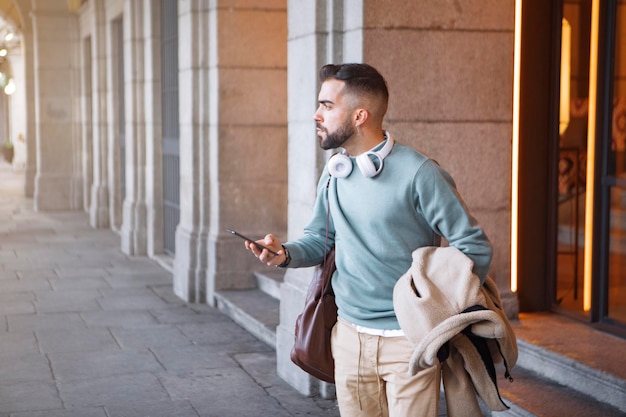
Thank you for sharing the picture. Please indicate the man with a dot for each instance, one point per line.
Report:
(378, 204)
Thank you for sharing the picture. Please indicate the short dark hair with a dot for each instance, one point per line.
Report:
(359, 78)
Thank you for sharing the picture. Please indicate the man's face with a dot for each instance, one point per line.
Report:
(333, 116)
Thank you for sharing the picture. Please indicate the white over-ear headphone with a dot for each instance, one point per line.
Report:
(340, 165)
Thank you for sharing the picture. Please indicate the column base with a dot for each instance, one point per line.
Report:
(99, 210)
(133, 231)
(53, 192)
(190, 271)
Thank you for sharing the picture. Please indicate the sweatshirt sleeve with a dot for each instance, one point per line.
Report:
(319, 234)
(443, 208)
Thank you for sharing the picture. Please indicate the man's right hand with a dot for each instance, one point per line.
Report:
(264, 255)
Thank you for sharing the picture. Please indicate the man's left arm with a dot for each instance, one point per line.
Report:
(448, 215)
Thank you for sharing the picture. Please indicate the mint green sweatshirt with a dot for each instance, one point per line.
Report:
(376, 223)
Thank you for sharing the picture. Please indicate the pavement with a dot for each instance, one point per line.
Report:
(87, 331)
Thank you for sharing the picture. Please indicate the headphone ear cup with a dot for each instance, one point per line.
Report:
(340, 165)
(366, 165)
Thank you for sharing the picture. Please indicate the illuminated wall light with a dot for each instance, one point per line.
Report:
(10, 88)
(515, 143)
(74, 5)
(3, 52)
(591, 151)
(566, 53)
(8, 37)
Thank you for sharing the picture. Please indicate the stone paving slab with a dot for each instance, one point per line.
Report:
(130, 389)
(20, 367)
(79, 272)
(118, 319)
(180, 315)
(128, 280)
(58, 322)
(16, 307)
(39, 273)
(193, 358)
(75, 412)
(16, 344)
(75, 340)
(210, 396)
(67, 300)
(133, 302)
(28, 396)
(86, 331)
(80, 366)
(18, 285)
(152, 337)
(78, 283)
(160, 409)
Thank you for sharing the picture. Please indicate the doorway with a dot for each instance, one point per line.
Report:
(572, 153)
(612, 303)
(590, 201)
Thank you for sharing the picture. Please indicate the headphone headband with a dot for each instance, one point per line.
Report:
(386, 149)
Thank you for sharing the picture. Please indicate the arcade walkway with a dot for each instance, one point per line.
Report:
(86, 331)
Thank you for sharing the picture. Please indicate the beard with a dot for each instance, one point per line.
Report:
(337, 138)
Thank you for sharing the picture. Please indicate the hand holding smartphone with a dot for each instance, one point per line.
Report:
(252, 241)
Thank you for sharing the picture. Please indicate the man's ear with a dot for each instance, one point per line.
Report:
(360, 116)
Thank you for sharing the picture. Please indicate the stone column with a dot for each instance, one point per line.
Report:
(30, 133)
(115, 53)
(99, 207)
(233, 145)
(153, 164)
(134, 228)
(85, 150)
(192, 233)
(315, 39)
(55, 36)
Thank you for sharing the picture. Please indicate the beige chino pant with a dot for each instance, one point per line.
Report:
(371, 376)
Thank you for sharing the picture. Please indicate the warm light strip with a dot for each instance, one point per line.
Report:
(517, 52)
(591, 150)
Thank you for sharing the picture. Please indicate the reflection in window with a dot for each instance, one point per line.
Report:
(572, 158)
(617, 178)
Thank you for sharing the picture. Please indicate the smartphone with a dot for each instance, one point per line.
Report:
(258, 245)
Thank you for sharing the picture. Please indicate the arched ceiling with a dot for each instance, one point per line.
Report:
(9, 14)
(10, 28)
